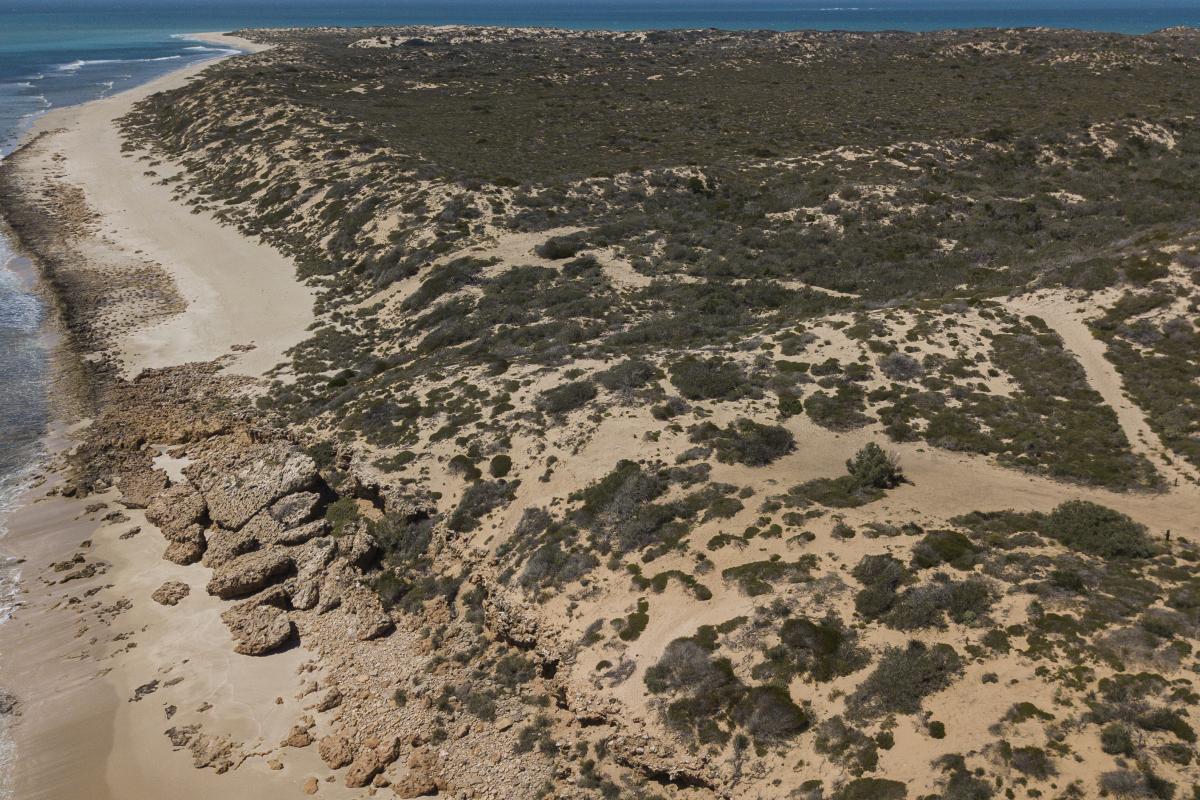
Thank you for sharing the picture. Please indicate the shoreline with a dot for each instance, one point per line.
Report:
(70, 654)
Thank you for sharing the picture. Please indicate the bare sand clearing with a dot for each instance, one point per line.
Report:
(238, 291)
(76, 652)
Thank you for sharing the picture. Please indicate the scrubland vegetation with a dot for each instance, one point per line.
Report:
(613, 311)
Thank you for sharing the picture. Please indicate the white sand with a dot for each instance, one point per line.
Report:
(238, 291)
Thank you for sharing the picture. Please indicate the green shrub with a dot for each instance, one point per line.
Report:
(1116, 740)
(944, 547)
(903, 678)
(821, 650)
(631, 374)
(500, 465)
(873, 468)
(630, 628)
(745, 442)
(871, 789)
(1032, 761)
(1096, 529)
(567, 397)
(881, 575)
(560, 247)
(849, 747)
(341, 513)
(769, 714)
(479, 499)
(900, 367)
(1165, 719)
(709, 379)
(710, 701)
(465, 467)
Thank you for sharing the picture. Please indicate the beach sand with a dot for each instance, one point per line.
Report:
(238, 291)
(75, 653)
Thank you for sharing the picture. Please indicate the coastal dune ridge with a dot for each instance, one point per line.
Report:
(485, 412)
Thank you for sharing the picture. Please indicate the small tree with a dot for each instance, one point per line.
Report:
(874, 468)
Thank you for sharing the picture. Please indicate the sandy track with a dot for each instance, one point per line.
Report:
(1061, 313)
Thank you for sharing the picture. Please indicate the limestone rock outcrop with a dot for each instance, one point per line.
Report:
(249, 573)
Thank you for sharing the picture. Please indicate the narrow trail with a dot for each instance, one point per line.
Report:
(1061, 313)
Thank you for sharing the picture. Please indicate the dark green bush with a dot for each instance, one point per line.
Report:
(944, 547)
(1096, 529)
(709, 379)
(500, 465)
(871, 789)
(903, 678)
(873, 468)
(745, 442)
(631, 374)
(1116, 740)
(567, 397)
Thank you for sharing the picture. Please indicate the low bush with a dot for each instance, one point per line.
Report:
(745, 442)
(631, 374)
(710, 701)
(820, 650)
(567, 397)
(900, 367)
(479, 499)
(944, 547)
(500, 465)
(1098, 530)
(871, 789)
(1116, 740)
(874, 468)
(846, 746)
(903, 678)
(559, 247)
(709, 379)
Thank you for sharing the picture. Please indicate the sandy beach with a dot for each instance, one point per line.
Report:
(78, 649)
(236, 291)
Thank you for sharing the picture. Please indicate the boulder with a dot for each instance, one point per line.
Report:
(331, 700)
(183, 553)
(358, 549)
(370, 762)
(302, 533)
(224, 546)
(239, 477)
(310, 570)
(335, 751)
(139, 487)
(176, 510)
(294, 509)
(368, 618)
(249, 573)
(415, 784)
(422, 778)
(258, 628)
(298, 737)
(170, 593)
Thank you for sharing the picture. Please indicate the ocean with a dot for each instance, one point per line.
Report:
(55, 53)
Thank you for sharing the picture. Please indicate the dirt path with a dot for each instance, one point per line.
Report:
(1064, 316)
